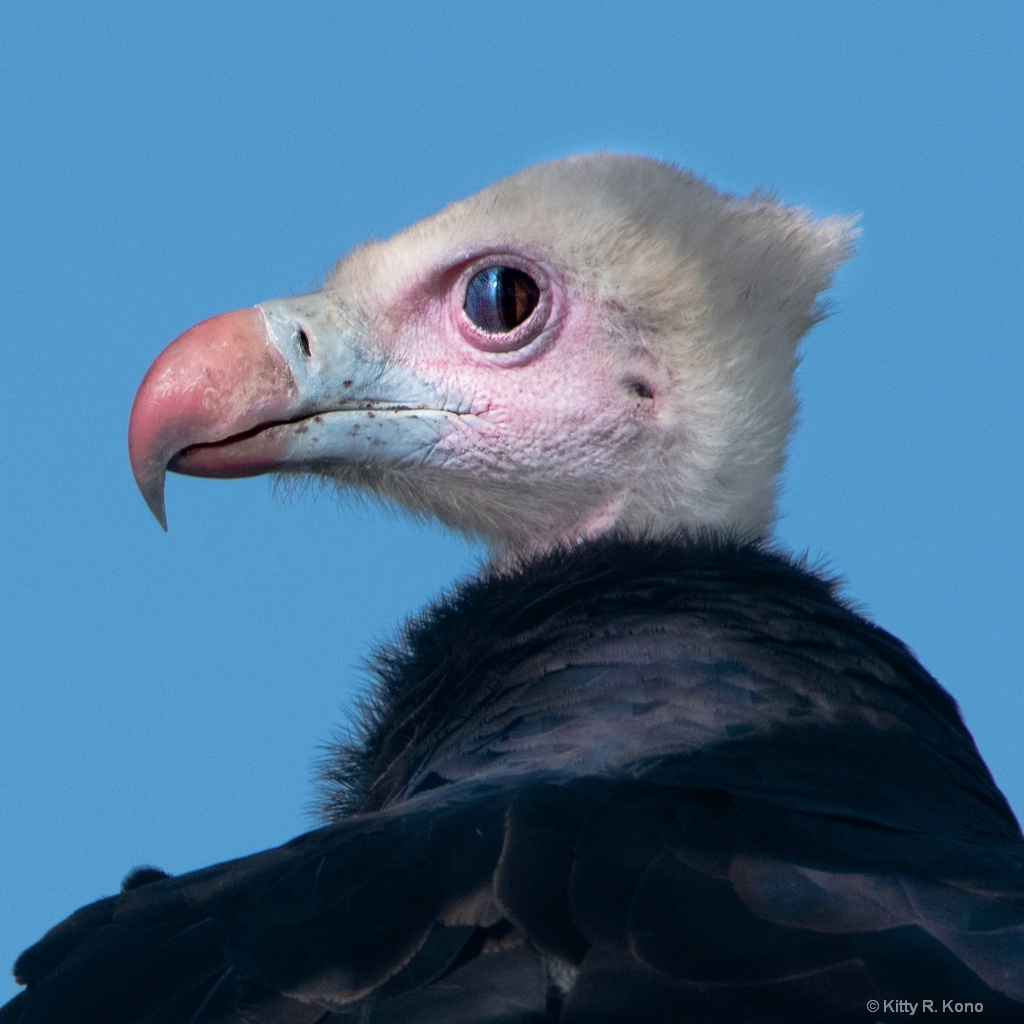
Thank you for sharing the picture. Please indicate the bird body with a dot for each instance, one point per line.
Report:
(645, 767)
(682, 772)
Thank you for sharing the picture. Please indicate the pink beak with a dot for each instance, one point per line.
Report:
(213, 384)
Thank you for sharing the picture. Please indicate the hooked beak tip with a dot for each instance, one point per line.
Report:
(153, 492)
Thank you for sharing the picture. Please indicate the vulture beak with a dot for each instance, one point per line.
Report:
(284, 385)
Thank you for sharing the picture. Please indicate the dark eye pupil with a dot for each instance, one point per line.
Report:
(499, 299)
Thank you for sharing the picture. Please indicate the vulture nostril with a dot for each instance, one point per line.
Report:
(303, 339)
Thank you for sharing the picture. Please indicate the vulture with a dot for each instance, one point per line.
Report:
(646, 766)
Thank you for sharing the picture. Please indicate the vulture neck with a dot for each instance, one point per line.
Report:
(622, 656)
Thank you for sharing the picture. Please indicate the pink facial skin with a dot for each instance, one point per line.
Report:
(548, 400)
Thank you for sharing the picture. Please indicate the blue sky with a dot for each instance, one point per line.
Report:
(163, 697)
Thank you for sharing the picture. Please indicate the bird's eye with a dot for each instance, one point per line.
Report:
(499, 299)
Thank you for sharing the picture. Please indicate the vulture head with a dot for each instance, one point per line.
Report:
(600, 342)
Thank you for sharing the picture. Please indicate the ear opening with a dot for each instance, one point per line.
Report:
(639, 388)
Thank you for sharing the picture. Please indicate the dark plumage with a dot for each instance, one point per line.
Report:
(685, 770)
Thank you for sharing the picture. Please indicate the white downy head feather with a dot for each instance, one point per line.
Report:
(665, 398)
